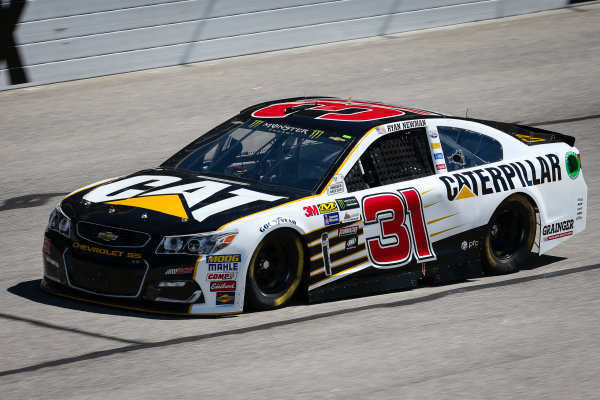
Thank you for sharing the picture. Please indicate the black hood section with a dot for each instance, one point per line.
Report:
(78, 208)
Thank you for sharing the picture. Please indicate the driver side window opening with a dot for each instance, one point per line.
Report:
(395, 157)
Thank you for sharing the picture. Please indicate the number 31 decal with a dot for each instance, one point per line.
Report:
(395, 229)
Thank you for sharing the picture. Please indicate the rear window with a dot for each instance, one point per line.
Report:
(464, 148)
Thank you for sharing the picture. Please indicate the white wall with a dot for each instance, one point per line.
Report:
(59, 40)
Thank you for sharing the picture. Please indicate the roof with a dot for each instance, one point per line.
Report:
(353, 117)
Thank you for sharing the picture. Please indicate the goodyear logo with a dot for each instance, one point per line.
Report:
(325, 208)
(224, 258)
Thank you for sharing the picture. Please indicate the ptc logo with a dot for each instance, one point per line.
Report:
(467, 245)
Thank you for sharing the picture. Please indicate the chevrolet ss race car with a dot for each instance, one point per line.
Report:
(323, 197)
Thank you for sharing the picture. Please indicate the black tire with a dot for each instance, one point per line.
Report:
(275, 271)
(509, 236)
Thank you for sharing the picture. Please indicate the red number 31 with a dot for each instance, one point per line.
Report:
(402, 228)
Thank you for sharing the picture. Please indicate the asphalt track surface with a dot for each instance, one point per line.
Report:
(530, 335)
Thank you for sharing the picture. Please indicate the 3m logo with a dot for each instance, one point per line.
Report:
(325, 208)
(311, 211)
(224, 258)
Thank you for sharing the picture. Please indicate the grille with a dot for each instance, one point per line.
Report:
(108, 279)
(111, 236)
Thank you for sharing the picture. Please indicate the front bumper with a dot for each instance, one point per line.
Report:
(128, 278)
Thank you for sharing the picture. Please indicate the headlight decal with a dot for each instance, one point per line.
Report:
(59, 222)
(196, 244)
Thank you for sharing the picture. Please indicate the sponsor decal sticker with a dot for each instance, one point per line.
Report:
(529, 138)
(221, 276)
(467, 245)
(225, 298)
(331, 219)
(433, 134)
(440, 166)
(229, 262)
(436, 146)
(572, 163)
(180, 271)
(501, 178)
(222, 285)
(325, 208)
(347, 203)
(352, 243)
(558, 230)
(348, 230)
(350, 216)
(277, 221)
(438, 156)
(335, 188)
(286, 129)
(311, 211)
(164, 194)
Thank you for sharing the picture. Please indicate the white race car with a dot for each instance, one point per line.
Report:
(318, 196)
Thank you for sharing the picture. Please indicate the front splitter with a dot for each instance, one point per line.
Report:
(128, 304)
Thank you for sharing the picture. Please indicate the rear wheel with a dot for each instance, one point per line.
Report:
(275, 271)
(509, 236)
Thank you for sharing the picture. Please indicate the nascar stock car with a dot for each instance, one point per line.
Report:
(320, 196)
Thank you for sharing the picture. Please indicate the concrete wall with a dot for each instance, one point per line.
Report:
(45, 41)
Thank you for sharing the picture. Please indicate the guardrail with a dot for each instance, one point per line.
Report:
(46, 41)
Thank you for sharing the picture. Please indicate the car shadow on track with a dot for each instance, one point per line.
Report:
(30, 290)
(541, 261)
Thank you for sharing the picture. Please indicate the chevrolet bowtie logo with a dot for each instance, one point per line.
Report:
(108, 236)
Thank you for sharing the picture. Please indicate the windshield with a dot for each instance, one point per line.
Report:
(271, 153)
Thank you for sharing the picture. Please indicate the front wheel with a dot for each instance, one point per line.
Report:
(275, 271)
(509, 236)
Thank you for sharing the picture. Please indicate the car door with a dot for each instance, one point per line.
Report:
(403, 203)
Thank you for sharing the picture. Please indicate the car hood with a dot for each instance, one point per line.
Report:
(172, 202)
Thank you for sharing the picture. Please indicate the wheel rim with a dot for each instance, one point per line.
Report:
(271, 269)
(507, 233)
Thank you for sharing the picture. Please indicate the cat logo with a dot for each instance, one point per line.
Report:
(529, 138)
(325, 208)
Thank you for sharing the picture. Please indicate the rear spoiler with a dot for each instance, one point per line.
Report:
(549, 136)
(529, 135)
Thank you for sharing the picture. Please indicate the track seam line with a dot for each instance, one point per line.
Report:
(270, 325)
(63, 328)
